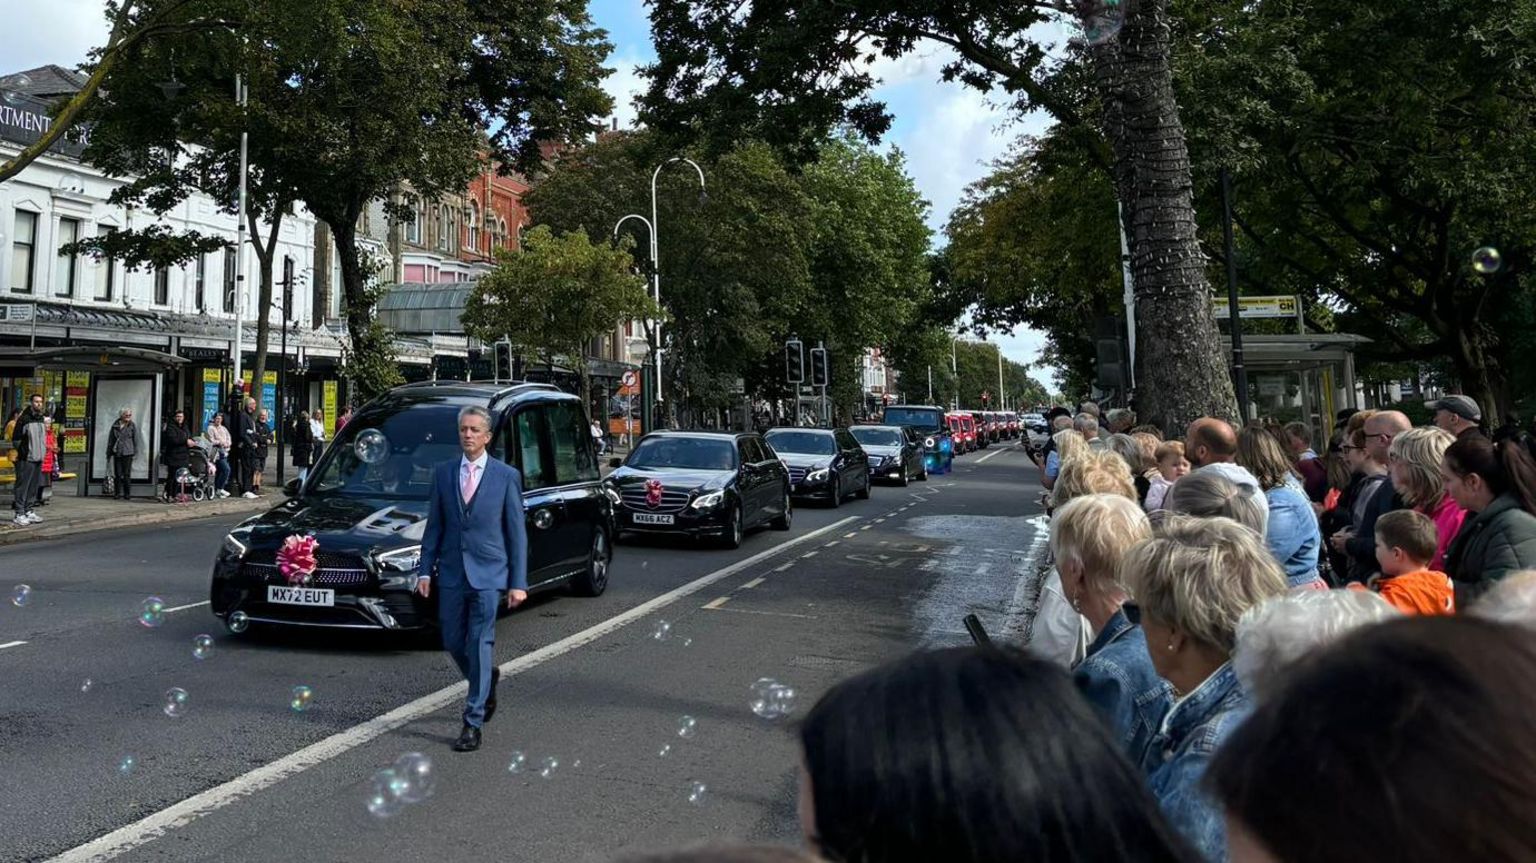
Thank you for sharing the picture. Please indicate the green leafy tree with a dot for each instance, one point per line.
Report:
(786, 72)
(556, 295)
(1372, 153)
(350, 99)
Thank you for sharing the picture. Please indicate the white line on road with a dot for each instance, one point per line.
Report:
(990, 454)
(185, 607)
(783, 566)
(765, 613)
(145, 830)
(879, 520)
(893, 513)
(11, 644)
(866, 527)
(717, 602)
(850, 534)
(754, 582)
(830, 544)
(810, 554)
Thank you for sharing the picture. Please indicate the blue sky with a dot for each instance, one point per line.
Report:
(947, 132)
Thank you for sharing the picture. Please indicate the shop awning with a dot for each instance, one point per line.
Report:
(78, 358)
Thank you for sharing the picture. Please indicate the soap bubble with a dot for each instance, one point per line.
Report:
(238, 622)
(127, 765)
(771, 699)
(21, 595)
(371, 447)
(663, 631)
(152, 612)
(548, 766)
(87, 684)
(175, 702)
(687, 642)
(666, 749)
(415, 769)
(687, 728)
(300, 698)
(384, 796)
(202, 646)
(696, 792)
(519, 762)
(1487, 260)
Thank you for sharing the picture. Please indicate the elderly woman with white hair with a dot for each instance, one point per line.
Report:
(1193, 581)
(1277, 632)
(1089, 536)
(1206, 494)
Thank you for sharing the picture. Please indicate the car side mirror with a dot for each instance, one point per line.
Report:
(291, 487)
(615, 463)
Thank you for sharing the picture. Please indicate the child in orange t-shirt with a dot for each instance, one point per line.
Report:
(1405, 544)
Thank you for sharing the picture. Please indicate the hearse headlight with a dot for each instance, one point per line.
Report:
(406, 559)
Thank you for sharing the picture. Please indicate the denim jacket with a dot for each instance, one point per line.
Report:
(1293, 536)
(1175, 764)
(1118, 679)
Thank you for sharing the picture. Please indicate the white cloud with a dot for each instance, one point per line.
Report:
(624, 85)
(56, 31)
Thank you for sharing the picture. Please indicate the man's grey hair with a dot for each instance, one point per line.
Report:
(475, 411)
(1061, 423)
(1121, 414)
(1086, 424)
(1127, 448)
(1276, 633)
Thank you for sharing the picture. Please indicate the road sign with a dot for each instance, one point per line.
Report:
(1258, 307)
(18, 312)
(629, 379)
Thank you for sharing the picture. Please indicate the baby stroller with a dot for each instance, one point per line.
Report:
(200, 472)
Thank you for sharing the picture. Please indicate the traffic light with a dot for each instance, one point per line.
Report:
(794, 362)
(818, 367)
(1112, 369)
(503, 366)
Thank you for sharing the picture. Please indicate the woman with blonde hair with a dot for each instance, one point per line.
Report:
(1413, 462)
(1068, 445)
(1193, 581)
(1089, 536)
(1094, 471)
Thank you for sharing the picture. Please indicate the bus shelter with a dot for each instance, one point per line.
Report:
(1308, 377)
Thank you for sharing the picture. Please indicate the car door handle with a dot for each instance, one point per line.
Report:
(543, 518)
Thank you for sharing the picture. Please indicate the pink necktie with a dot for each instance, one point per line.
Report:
(469, 482)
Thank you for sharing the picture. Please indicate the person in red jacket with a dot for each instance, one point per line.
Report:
(50, 462)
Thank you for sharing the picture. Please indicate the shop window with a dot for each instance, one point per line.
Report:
(202, 281)
(162, 286)
(67, 267)
(106, 271)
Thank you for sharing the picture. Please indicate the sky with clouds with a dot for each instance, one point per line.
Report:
(949, 133)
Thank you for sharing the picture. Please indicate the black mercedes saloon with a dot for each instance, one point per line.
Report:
(896, 453)
(365, 504)
(824, 464)
(715, 485)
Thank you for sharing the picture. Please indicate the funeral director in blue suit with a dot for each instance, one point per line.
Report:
(476, 547)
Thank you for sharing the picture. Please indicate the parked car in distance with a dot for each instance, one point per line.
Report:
(365, 503)
(896, 453)
(965, 432)
(928, 421)
(824, 464)
(701, 484)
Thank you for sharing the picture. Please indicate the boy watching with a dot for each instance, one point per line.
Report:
(1405, 544)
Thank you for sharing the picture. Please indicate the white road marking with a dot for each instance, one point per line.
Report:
(809, 554)
(754, 583)
(832, 543)
(11, 644)
(850, 534)
(145, 830)
(990, 454)
(879, 520)
(784, 566)
(765, 613)
(717, 602)
(893, 513)
(185, 607)
(866, 527)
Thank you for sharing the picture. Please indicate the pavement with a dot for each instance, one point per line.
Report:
(239, 775)
(67, 515)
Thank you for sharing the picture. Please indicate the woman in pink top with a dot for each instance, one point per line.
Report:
(1414, 463)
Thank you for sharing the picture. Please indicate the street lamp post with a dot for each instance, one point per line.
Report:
(242, 93)
(1002, 394)
(653, 224)
(646, 419)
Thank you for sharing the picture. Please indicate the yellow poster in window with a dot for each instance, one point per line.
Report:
(328, 400)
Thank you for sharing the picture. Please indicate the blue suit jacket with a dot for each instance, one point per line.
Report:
(482, 545)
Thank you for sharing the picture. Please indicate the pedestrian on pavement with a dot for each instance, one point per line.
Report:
(1359, 540)
(1171, 467)
(346, 417)
(30, 441)
(1120, 421)
(1065, 444)
(263, 440)
(1204, 494)
(242, 431)
(122, 445)
(50, 464)
(475, 545)
(218, 436)
(1089, 538)
(1026, 773)
(1087, 425)
(1297, 438)
(597, 438)
(1210, 444)
(1444, 706)
(1413, 465)
(10, 424)
(1127, 448)
(1291, 531)
(1193, 581)
(1459, 415)
(317, 431)
(175, 452)
(1283, 630)
(303, 445)
(1496, 485)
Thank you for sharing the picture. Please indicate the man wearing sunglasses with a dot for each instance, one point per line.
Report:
(1358, 540)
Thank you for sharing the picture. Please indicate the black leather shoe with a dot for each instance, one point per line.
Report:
(469, 740)
(490, 700)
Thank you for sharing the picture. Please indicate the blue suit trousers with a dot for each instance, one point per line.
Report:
(468, 619)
